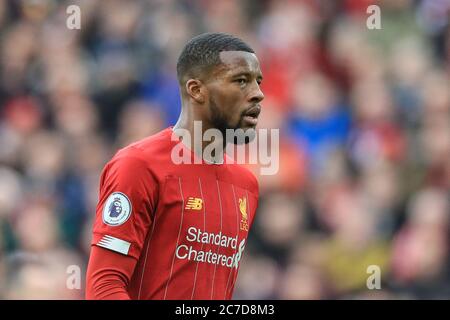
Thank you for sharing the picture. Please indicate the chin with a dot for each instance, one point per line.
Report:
(246, 127)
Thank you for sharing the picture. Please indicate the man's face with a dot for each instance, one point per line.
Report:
(234, 93)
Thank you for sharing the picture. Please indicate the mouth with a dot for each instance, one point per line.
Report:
(251, 115)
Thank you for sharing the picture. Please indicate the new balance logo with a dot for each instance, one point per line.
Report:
(194, 204)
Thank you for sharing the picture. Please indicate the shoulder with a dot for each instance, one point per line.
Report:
(143, 155)
(149, 150)
(150, 146)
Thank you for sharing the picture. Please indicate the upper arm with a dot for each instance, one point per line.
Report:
(124, 213)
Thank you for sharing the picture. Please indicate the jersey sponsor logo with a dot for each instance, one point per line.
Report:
(243, 209)
(117, 209)
(194, 204)
(211, 256)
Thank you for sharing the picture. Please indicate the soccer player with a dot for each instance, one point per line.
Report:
(177, 231)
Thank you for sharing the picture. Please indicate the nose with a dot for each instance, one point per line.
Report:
(256, 95)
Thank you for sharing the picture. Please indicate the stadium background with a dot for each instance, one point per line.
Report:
(364, 117)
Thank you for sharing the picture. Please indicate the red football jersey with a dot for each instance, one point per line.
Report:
(186, 224)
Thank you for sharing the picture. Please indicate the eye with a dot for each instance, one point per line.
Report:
(241, 81)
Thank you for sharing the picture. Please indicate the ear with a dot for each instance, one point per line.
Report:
(196, 90)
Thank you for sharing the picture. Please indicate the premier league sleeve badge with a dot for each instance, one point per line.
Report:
(117, 209)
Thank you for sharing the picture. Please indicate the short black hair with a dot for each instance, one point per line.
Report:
(202, 52)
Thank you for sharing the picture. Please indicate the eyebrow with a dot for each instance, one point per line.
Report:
(247, 74)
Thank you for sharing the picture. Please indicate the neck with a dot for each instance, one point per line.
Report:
(196, 126)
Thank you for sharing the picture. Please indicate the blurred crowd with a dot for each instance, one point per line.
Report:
(364, 119)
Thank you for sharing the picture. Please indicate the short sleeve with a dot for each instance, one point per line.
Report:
(124, 212)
